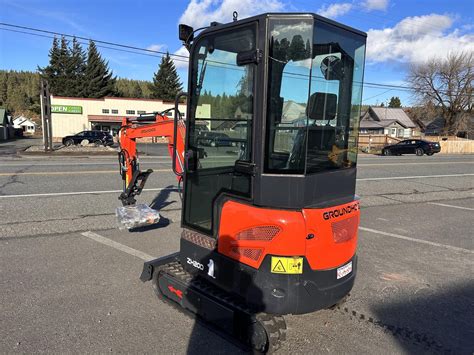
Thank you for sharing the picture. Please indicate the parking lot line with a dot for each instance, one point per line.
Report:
(420, 163)
(413, 177)
(71, 172)
(421, 241)
(113, 244)
(445, 205)
(83, 193)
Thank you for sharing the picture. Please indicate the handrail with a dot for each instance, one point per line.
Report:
(175, 132)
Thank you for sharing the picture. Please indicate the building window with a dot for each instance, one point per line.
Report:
(115, 112)
(105, 110)
(141, 112)
(130, 112)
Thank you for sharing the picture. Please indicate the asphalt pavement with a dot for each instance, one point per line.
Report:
(67, 290)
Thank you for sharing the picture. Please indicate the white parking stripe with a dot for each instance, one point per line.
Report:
(111, 243)
(74, 164)
(444, 205)
(167, 188)
(421, 241)
(83, 193)
(413, 177)
(420, 163)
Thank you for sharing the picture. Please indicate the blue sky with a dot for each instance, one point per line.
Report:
(400, 33)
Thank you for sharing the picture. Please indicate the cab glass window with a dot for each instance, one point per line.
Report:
(315, 90)
(223, 100)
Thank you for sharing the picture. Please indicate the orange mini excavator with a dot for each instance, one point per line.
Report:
(267, 159)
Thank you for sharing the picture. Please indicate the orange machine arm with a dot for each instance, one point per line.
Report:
(146, 126)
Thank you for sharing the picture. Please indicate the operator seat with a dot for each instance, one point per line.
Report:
(321, 107)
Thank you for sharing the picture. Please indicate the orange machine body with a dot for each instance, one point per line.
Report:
(327, 237)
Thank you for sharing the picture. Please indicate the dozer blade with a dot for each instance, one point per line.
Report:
(222, 312)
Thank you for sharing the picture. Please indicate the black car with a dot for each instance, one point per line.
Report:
(215, 139)
(96, 137)
(412, 146)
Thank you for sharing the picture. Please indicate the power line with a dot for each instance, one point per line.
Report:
(100, 46)
(371, 97)
(180, 58)
(91, 39)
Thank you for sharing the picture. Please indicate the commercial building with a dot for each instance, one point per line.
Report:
(71, 115)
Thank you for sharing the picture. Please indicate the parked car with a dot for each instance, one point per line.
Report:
(412, 146)
(215, 139)
(96, 137)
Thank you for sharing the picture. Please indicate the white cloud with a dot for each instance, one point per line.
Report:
(335, 10)
(375, 4)
(156, 47)
(180, 62)
(417, 39)
(200, 13)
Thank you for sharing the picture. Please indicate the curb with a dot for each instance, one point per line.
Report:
(66, 154)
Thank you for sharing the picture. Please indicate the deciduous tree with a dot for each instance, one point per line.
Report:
(448, 84)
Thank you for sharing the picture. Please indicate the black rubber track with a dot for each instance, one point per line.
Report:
(275, 326)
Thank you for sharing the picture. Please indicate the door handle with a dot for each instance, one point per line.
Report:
(191, 160)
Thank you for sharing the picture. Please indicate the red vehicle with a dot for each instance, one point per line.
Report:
(269, 228)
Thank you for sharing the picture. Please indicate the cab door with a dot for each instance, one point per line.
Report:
(221, 96)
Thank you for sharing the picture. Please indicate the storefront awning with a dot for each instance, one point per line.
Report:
(105, 118)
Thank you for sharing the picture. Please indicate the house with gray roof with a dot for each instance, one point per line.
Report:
(6, 127)
(389, 121)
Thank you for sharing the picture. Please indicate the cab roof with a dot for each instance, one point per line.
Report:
(286, 15)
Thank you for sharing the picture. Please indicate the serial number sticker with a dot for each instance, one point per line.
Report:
(282, 265)
(344, 270)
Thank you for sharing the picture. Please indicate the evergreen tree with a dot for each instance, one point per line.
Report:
(166, 81)
(136, 90)
(98, 78)
(52, 71)
(63, 86)
(3, 88)
(395, 102)
(297, 48)
(75, 70)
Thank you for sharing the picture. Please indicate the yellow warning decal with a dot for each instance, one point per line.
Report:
(282, 265)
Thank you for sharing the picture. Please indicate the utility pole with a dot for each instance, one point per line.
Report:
(45, 100)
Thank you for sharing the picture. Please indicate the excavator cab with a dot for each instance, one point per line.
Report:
(270, 215)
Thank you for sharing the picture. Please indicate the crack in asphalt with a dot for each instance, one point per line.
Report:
(60, 219)
(404, 333)
(68, 235)
(13, 179)
(416, 192)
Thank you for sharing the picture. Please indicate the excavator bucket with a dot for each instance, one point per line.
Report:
(135, 216)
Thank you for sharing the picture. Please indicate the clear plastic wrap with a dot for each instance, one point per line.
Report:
(136, 216)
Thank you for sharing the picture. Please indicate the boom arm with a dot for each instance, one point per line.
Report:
(146, 126)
